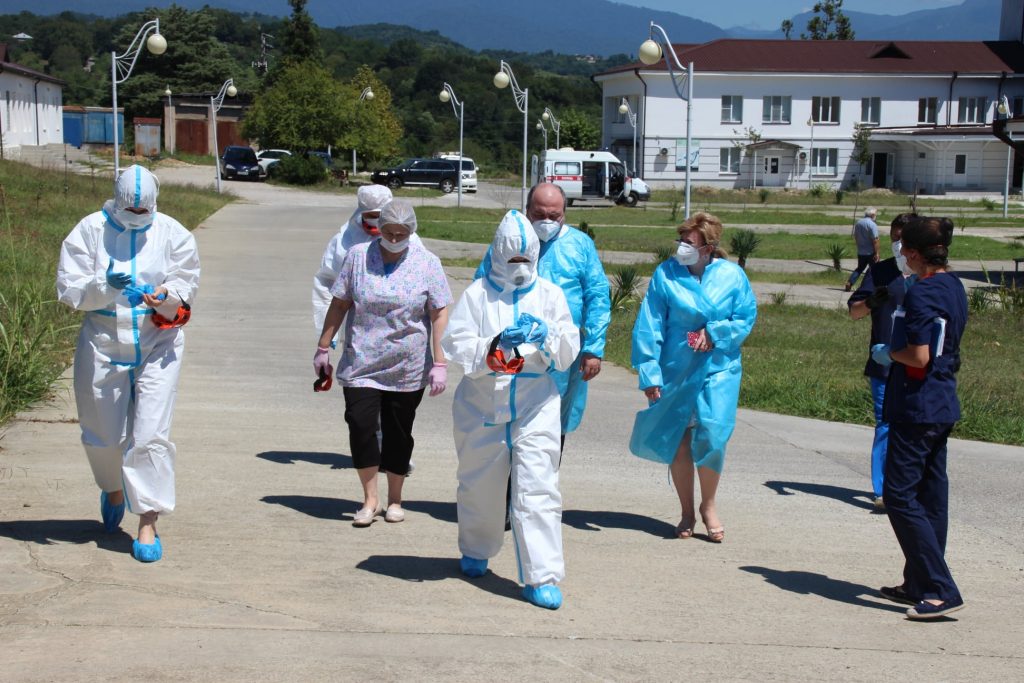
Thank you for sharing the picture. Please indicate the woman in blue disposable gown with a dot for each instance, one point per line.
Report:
(698, 310)
(921, 408)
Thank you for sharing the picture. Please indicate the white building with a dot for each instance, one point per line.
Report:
(31, 107)
(929, 107)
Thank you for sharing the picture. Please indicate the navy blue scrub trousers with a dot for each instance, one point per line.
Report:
(916, 492)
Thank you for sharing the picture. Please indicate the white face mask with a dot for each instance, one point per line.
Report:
(546, 229)
(395, 247)
(132, 221)
(519, 273)
(687, 254)
(901, 261)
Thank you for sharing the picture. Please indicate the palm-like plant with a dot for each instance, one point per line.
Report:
(742, 244)
(625, 287)
(836, 252)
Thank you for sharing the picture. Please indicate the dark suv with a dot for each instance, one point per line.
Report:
(433, 172)
(240, 162)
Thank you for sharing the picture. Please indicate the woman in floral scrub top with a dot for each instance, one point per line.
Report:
(393, 297)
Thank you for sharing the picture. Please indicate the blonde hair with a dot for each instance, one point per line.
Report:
(709, 227)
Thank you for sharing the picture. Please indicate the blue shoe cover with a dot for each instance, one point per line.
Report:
(472, 567)
(546, 596)
(147, 552)
(112, 514)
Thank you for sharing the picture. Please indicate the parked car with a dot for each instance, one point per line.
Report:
(469, 169)
(431, 172)
(240, 162)
(269, 157)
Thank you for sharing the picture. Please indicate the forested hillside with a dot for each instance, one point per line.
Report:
(209, 45)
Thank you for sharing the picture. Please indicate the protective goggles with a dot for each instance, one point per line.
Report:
(497, 362)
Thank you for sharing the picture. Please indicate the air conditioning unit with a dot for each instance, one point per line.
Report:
(664, 151)
(803, 155)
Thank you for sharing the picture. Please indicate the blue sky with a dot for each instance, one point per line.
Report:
(768, 14)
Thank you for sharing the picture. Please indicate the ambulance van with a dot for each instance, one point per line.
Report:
(590, 175)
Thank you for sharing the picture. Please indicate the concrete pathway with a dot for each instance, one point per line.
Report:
(264, 578)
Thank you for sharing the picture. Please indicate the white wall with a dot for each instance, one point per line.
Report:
(19, 111)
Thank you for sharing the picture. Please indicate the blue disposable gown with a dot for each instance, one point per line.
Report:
(570, 261)
(702, 388)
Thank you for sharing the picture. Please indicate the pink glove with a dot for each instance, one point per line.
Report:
(322, 361)
(438, 377)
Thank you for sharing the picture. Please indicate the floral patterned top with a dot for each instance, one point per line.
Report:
(387, 330)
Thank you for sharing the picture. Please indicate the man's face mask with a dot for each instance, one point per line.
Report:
(132, 220)
(519, 273)
(497, 362)
(546, 229)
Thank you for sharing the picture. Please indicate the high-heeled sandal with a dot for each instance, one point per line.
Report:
(715, 534)
(684, 530)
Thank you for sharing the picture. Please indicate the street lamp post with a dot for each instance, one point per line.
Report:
(544, 129)
(651, 51)
(1003, 109)
(548, 115)
(216, 102)
(367, 94)
(624, 108)
(121, 68)
(503, 79)
(810, 157)
(448, 95)
(169, 122)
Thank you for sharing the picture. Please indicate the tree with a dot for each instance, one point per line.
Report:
(787, 27)
(305, 109)
(861, 145)
(370, 126)
(579, 131)
(300, 42)
(828, 22)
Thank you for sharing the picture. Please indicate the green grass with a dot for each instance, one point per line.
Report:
(37, 333)
(809, 362)
(478, 225)
(895, 200)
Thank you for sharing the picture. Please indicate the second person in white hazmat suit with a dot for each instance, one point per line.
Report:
(509, 418)
(134, 272)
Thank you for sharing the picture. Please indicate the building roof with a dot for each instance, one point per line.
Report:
(920, 57)
(24, 70)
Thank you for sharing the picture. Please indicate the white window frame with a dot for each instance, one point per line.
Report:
(733, 104)
(783, 104)
(870, 111)
(824, 161)
(926, 106)
(972, 109)
(729, 160)
(825, 110)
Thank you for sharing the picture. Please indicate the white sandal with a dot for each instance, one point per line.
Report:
(366, 516)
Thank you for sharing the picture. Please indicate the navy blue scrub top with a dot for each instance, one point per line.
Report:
(883, 273)
(928, 395)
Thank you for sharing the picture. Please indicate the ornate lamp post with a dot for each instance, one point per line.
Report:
(121, 68)
(169, 121)
(652, 51)
(626, 110)
(367, 94)
(1003, 110)
(503, 79)
(810, 157)
(216, 102)
(548, 115)
(544, 129)
(448, 95)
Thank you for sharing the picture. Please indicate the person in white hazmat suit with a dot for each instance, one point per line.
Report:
(509, 331)
(134, 272)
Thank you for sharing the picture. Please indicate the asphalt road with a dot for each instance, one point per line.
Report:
(264, 578)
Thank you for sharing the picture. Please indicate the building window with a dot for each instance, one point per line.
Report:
(971, 110)
(823, 161)
(928, 110)
(1017, 106)
(960, 164)
(825, 109)
(871, 111)
(776, 108)
(732, 109)
(729, 160)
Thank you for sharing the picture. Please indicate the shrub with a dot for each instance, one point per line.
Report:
(988, 204)
(818, 190)
(663, 253)
(836, 252)
(839, 196)
(742, 244)
(778, 298)
(586, 230)
(625, 287)
(763, 195)
(299, 170)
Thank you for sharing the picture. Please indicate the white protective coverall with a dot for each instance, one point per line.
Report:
(506, 422)
(126, 368)
(369, 198)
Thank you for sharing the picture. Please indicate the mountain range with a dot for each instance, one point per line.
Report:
(597, 27)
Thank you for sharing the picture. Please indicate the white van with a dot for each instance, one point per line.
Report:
(590, 175)
(469, 169)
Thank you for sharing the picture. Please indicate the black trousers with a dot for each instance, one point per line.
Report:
(863, 261)
(393, 412)
(916, 493)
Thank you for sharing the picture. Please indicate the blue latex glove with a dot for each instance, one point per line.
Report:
(880, 354)
(135, 294)
(539, 329)
(117, 280)
(514, 335)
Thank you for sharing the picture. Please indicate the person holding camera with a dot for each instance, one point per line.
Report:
(880, 294)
